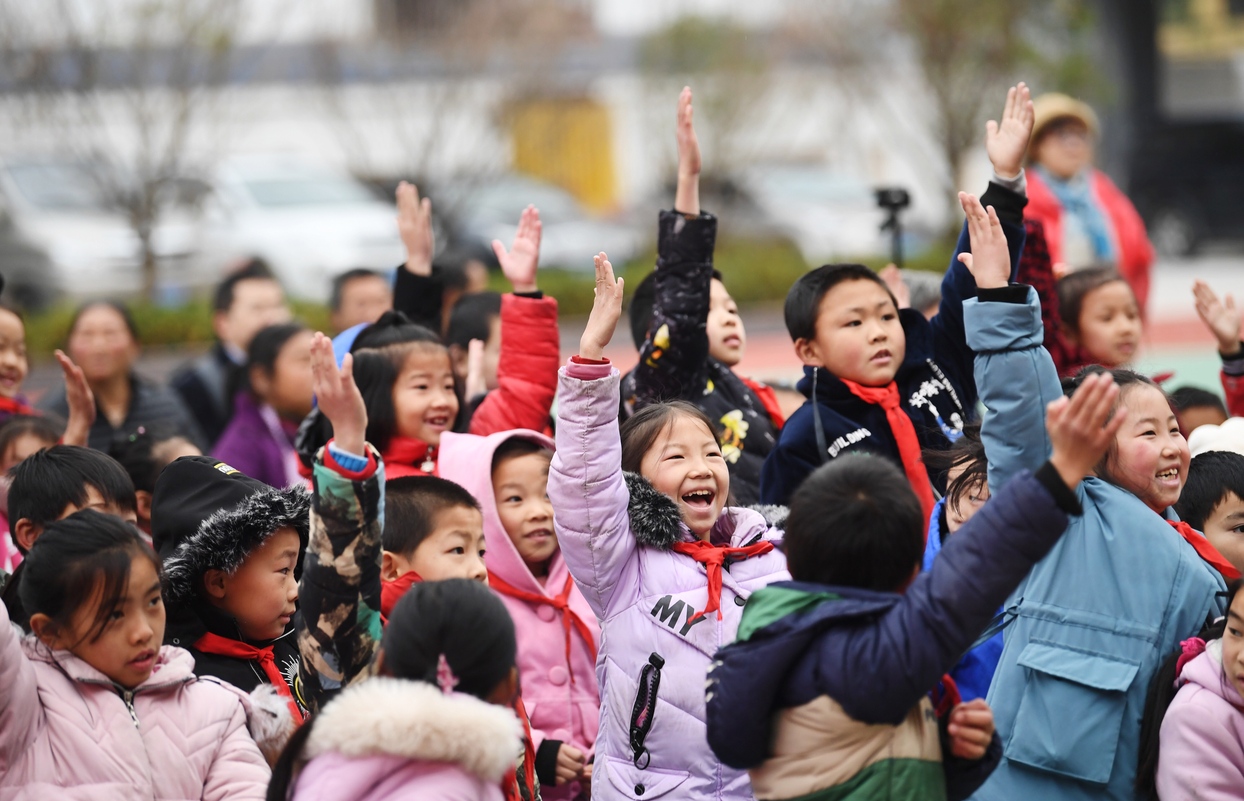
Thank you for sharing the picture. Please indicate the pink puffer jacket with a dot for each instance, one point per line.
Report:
(559, 690)
(66, 731)
(645, 596)
(386, 739)
(1202, 736)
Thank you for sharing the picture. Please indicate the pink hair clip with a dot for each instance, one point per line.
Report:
(445, 677)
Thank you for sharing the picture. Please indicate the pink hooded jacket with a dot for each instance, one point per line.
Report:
(615, 534)
(67, 732)
(560, 693)
(1201, 755)
(387, 739)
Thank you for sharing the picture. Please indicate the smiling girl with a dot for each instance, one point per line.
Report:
(662, 561)
(92, 701)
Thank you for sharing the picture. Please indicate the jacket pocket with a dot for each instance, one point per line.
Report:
(1071, 711)
(641, 785)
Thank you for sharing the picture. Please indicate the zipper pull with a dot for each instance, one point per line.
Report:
(128, 697)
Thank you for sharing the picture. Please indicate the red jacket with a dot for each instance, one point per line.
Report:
(1135, 252)
(526, 370)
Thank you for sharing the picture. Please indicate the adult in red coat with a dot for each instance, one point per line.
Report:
(1088, 220)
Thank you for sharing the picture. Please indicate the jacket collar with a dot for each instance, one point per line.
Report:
(173, 666)
(657, 523)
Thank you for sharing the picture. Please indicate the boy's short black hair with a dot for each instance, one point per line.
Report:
(515, 447)
(855, 522)
(340, 281)
(253, 270)
(1210, 477)
(803, 301)
(411, 504)
(643, 300)
(472, 318)
(1195, 398)
(44, 484)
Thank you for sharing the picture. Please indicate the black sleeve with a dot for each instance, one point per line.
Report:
(419, 297)
(1009, 205)
(1064, 497)
(1014, 293)
(546, 762)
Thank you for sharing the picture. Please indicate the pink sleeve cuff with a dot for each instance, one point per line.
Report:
(588, 369)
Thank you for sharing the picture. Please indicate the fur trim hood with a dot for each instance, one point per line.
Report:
(415, 720)
(657, 523)
(225, 538)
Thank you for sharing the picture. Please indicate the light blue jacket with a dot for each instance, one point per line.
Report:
(1096, 617)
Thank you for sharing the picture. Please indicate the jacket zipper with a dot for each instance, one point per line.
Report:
(128, 697)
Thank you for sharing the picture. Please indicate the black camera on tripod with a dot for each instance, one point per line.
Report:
(893, 199)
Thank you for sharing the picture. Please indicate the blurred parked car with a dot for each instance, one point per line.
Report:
(490, 210)
(64, 238)
(308, 222)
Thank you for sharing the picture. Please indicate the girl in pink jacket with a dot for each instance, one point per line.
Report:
(557, 631)
(91, 705)
(434, 726)
(1201, 745)
(662, 561)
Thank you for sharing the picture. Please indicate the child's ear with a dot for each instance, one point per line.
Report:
(808, 352)
(25, 532)
(214, 584)
(47, 631)
(388, 566)
(142, 505)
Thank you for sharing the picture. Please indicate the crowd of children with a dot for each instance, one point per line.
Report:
(428, 559)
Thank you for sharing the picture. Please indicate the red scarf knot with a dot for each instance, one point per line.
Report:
(560, 602)
(713, 557)
(904, 432)
(223, 646)
(1205, 549)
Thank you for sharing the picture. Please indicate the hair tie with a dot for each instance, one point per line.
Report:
(445, 678)
(1192, 648)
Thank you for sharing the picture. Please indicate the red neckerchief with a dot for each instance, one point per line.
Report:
(510, 784)
(223, 646)
(768, 399)
(713, 557)
(561, 603)
(904, 434)
(15, 406)
(392, 591)
(410, 456)
(1206, 550)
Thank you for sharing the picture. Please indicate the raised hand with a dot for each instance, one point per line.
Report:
(606, 310)
(1083, 427)
(990, 260)
(1219, 316)
(893, 278)
(971, 729)
(520, 262)
(1006, 141)
(337, 396)
(81, 401)
(414, 222)
(687, 198)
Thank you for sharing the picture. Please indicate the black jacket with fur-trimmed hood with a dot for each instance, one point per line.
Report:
(208, 516)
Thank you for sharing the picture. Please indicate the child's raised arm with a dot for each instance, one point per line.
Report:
(673, 357)
(81, 402)
(1223, 321)
(339, 591)
(417, 292)
(585, 479)
(530, 341)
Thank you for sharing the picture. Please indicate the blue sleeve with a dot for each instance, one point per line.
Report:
(1015, 377)
(879, 672)
(950, 345)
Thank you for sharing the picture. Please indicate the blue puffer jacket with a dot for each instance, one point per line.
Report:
(934, 381)
(975, 670)
(1095, 617)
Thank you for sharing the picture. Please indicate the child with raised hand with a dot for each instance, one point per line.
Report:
(558, 633)
(1223, 321)
(664, 564)
(435, 724)
(1127, 582)
(94, 706)
(690, 336)
(826, 692)
(883, 380)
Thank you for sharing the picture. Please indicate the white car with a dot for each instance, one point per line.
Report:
(87, 247)
(308, 222)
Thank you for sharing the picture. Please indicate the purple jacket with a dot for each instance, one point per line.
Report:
(559, 689)
(615, 535)
(1202, 737)
(257, 447)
